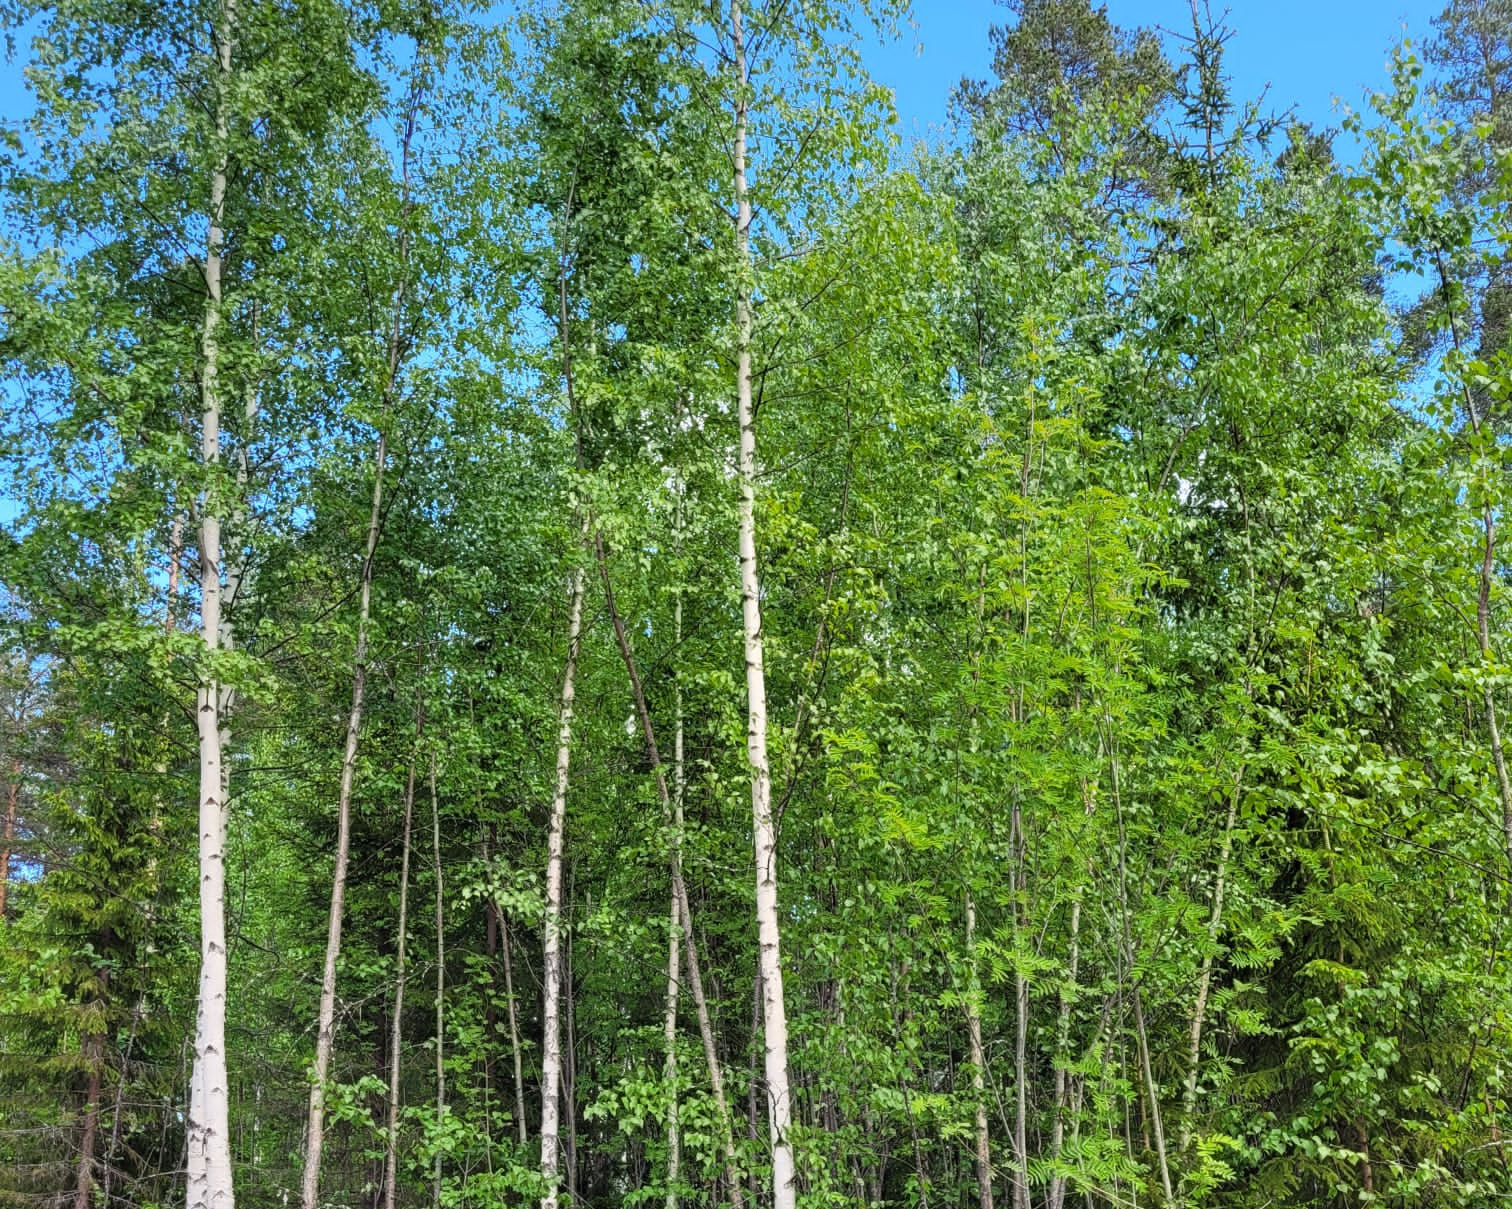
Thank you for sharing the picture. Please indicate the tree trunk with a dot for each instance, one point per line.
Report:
(326, 1028)
(521, 1130)
(440, 971)
(551, 1027)
(325, 1034)
(396, 1032)
(774, 1011)
(1367, 1172)
(669, 1024)
(1205, 978)
(1141, 1034)
(84, 1175)
(569, 1056)
(209, 1176)
(491, 949)
(12, 795)
(93, 1047)
(1057, 1197)
(669, 1068)
(1152, 1091)
(897, 996)
(753, 1084)
(1020, 1022)
(978, 1064)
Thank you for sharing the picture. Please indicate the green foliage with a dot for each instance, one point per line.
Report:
(1132, 606)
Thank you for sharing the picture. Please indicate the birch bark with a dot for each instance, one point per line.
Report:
(774, 1011)
(209, 1179)
(551, 1024)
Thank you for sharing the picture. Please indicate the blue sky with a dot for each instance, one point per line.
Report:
(1308, 51)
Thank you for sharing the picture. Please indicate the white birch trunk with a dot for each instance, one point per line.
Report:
(551, 1023)
(209, 1178)
(774, 1011)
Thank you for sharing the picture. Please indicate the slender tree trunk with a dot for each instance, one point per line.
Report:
(711, 1051)
(113, 1145)
(440, 971)
(679, 886)
(978, 1063)
(12, 795)
(521, 1129)
(669, 1024)
(1141, 1034)
(396, 327)
(1205, 978)
(396, 1032)
(84, 1174)
(774, 1011)
(175, 555)
(93, 1047)
(897, 995)
(1057, 1197)
(326, 1027)
(209, 1176)
(1020, 1025)
(753, 1082)
(325, 1035)
(551, 1060)
(669, 1067)
(491, 949)
(1152, 1092)
(569, 1056)
(1367, 1172)
(551, 1023)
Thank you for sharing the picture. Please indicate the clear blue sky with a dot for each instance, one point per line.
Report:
(1309, 51)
